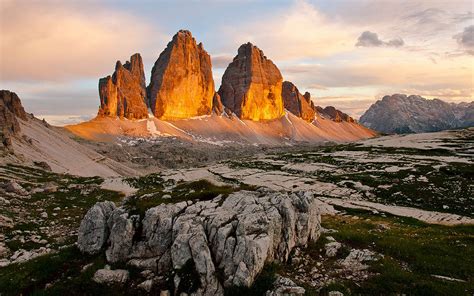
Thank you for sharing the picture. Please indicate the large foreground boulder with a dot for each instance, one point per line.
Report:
(94, 231)
(124, 93)
(181, 84)
(218, 243)
(251, 86)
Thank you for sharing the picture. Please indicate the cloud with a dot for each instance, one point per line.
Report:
(298, 31)
(370, 39)
(67, 40)
(466, 37)
(221, 61)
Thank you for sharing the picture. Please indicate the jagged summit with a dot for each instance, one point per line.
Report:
(296, 103)
(251, 86)
(400, 113)
(124, 94)
(181, 83)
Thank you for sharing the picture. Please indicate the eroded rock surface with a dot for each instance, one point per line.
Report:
(251, 86)
(124, 93)
(93, 231)
(10, 110)
(296, 103)
(284, 286)
(233, 237)
(181, 83)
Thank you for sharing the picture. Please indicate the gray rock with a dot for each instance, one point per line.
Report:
(146, 285)
(335, 293)
(233, 238)
(285, 287)
(332, 248)
(16, 188)
(107, 276)
(94, 231)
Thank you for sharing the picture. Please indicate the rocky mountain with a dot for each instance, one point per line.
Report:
(251, 86)
(296, 103)
(10, 110)
(124, 94)
(181, 83)
(334, 114)
(400, 113)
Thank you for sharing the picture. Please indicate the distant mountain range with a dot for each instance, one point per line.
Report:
(400, 113)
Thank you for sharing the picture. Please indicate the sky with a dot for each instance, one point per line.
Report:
(346, 53)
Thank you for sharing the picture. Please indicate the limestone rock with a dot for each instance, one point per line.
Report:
(108, 276)
(10, 110)
(331, 248)
(93, 231)
(181, 84)
(251, 86)
(234, 237)
(217, 105)
(285, 287)
(296, 103)
(124, 94)
(16, 188)
(334, 114)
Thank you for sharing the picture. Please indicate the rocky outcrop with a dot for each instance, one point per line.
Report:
(334, 114)
(181, 83)
(217, 105)
(284, 286)
(124, 93)
(93, 231)
(400, 113)
(296, 103)
(232, 237)
(251, 86)
(10, 111)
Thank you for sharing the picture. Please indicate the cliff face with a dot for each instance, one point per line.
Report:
(124, 94)
(400, 113)
(296, 103)
(252, 85)
(10, 110)
(181, 83)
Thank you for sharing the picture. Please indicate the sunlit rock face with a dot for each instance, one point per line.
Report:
(296, 103)
(251, 86)
(181, 83)
(124, 93)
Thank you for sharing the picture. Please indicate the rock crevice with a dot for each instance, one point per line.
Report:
(232, 237)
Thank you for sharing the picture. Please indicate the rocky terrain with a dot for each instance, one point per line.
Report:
(400, 113)
(123, 94)
(251, 86)
(387, 214)
(181, 84)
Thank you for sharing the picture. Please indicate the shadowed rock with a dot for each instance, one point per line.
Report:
(181, 83)
(251, 86)
(334, 114)
(296, 103)
(124, 94)
(10, 110)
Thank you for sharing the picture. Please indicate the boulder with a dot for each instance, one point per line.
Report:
(124, 93)
(94, 231)
(234, 237)
(285, 287)
(16, 188)
(181, 84)
(296, 103)
(251, 86)
(108, 276)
